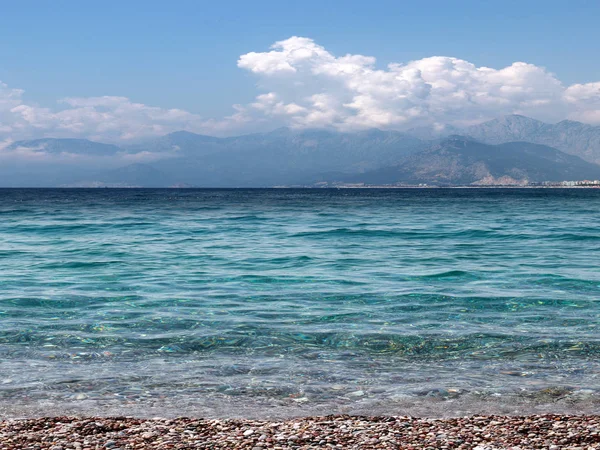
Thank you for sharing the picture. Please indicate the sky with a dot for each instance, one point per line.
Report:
(117, 71)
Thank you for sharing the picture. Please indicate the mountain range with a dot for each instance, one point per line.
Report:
(503, 148)
(458, 160)
(571, 137)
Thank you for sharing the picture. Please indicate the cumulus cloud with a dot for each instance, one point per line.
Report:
(301, 84)
(350, 92)
(585, 99)
(105, 118)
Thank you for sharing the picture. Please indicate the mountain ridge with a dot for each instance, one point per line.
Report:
(284, 156)
(569, 136)
(462, 160)
(66, 145)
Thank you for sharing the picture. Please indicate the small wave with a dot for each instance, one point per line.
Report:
(284, 261)
(79, 264)
(450, 274)
(365, 233)
(248, 218)
(575, 237)
(58, 228)
(125, 225)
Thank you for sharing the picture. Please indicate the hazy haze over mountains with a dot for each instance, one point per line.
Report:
(289, 157)
(282, 156)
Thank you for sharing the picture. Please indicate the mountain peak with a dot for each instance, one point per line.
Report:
(31, 142)
(567, 123)
(183, 133)
(519, 117)
(516, 119)
(280, 130)
(67, 145)
(181, 137)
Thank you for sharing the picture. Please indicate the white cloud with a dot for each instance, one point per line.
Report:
(352, 93)
(9, 99)
(585, 99)
(302, 84)
(106, 118)
(286, 57)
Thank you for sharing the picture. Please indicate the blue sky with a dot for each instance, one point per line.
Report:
(183, 54)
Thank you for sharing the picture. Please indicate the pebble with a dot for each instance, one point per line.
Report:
(548, 432)
(357, 393)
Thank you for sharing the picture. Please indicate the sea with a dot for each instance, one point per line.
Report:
(269, 303)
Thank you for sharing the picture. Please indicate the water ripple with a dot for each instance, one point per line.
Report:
(268, 294)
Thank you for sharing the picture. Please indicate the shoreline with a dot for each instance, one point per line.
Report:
(549, 431)
(435, 403)
(290, 187)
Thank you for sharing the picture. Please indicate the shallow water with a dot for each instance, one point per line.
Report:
(285, 302)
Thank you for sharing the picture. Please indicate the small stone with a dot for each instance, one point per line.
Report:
(149, 435)
(248, 432)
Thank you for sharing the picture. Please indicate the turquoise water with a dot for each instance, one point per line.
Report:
(283, 302)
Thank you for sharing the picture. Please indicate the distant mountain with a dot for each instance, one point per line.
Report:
(72, 146)
(283, 156)
(179, 142)
(571, 137)
(300, 157)
(461, 160)
(510, 128)
(49, 162)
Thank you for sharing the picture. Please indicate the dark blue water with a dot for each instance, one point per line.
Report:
(282, 302)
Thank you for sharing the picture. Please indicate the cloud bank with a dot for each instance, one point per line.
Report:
(301, 84)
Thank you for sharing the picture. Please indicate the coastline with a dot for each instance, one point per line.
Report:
(458, 186)
(550, 432)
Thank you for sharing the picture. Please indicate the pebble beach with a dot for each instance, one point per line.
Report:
(549, 432)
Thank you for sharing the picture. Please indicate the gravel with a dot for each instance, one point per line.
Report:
(550, 432)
